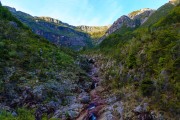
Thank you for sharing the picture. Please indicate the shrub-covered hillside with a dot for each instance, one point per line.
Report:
(33, 72)
(147, 61)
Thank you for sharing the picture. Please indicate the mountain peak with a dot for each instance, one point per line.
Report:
(174, 2)
(133, 14)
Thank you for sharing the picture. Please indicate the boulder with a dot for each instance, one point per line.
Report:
(14, 114)
(38, 92)
(84, 98)
(73, 114)
(141, 108)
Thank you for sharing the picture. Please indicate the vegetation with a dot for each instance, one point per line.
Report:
(95, 32)
(160, 13)
(30, 60)
(143, 62)
(150, 58)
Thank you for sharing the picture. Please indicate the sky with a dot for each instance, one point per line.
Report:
(82, 12)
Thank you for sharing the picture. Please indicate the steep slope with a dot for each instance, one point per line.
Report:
(54, 30)
(141, 67)
(158, 14)
(37, 78)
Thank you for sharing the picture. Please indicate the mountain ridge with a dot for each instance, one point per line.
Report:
(132, 20)
(54, 30)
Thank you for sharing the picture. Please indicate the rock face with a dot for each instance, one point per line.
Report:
(140, 16)
(133, 20)
(89, 29)
(54, 30)
(123, 20)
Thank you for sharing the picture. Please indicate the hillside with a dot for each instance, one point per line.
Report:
(146, 64)
(159, 13)
(36, 77)
(47, 71)
(54, 30)
(130, 21)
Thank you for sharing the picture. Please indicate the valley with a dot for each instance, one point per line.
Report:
(50, 70)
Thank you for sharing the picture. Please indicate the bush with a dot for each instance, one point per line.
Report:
(147, 87)
(131, 61)
(23, 114)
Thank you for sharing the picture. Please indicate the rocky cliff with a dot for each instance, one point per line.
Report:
(54, 30)
(140, 16)
(134, 19)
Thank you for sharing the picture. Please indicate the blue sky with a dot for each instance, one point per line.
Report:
(83, 12)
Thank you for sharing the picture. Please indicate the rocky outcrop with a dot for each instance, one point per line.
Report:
(52, 20)
(89, 29)
(123, 20)
(133, 20)
(140, 16)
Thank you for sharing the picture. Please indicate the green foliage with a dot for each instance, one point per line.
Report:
(23, 114)
(131, 61)
(147, 87)
(148, 52)
(159, 14)
(172, 17)
(30, 60)
(6, 15)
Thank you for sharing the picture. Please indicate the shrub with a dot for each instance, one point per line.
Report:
(131, 61)
(147, 87)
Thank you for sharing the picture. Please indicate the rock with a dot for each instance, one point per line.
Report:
(84, 98)
(141, 108)
(4, 107)
(73, 114)
(107, 116)
(57, 114)
(38, 92)
(14, 24)
(15, 102)
(52, 105)
(123, 20)
(110, 100)
(14, 114)
(141, 112)
(141, 15)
